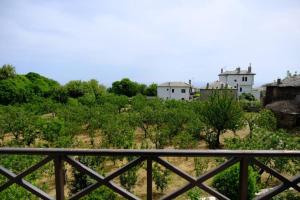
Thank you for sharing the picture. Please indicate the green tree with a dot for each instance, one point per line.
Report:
(20, 123)
(125, 87)
(56, 132)
(93, 87)
(41, 85)
(60, 94)
(17, 89)
(7, 71)
(161, 177)
(184, 140)
(251, 120)
(221, 113)
(267, 120)
(263, 139)
(118, 132)
(151, 90)
(75, 88)
(129, 178)
(177, 116)
(79, 180)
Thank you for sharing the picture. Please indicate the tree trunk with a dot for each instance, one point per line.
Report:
(218, 139)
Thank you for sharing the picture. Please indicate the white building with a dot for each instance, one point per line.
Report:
(242, 80)
(174, 90)
(218, 85)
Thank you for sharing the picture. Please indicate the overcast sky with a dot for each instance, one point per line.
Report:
(150, 41)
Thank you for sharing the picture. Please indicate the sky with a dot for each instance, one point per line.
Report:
(150, 40)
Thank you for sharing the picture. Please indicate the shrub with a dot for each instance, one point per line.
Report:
(161, 177)
(129, 178)
(250, 106)
(247, 96)
(227, 182)
(267, 120)
(102, 193)
(194, 194)
(16, 192)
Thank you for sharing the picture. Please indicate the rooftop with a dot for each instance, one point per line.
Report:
(218, 85)
(237, 71)
(174, 84)
(292, 81)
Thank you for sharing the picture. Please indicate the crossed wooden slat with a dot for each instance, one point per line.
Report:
(103, 180)
(196, 181)
(18, 179)
(107, 181)
(280, 188)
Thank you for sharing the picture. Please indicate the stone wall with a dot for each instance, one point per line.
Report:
(275, 93)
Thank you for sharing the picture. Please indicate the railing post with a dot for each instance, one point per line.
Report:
(59, 177)
(243, 178)
(149, 178)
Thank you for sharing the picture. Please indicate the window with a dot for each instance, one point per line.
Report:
(246, 78)
(182, 90)
(173, 90)
(243, 78)
(234, 80)
(167, 89)
(241, 89)
(182, 98)
(234, 86)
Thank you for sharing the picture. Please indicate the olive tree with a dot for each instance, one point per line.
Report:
(221, 112)
(7, 71)
(20, 123)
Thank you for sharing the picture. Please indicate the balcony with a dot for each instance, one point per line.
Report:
(61, 156)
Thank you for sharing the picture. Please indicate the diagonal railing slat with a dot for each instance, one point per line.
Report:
(176, 170)
(59, 156)
(276, 174)
(25, 184)
(96, 176)
(102, 181)
(280, 188)
(213, 192)
(190, 179)
(25, 173)
(202, 178)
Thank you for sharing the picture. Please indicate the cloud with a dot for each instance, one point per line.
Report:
(149, 40)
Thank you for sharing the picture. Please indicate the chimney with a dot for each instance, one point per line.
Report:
(278, 81)
(249, 68)
(221, 70)
(207, 85)
(238, 69)
(190, 82)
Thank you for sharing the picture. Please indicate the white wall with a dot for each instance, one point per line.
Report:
(166, 93)
(256, 94)
(236, 80)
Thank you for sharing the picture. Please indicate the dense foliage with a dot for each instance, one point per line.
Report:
(129, 88)
(39, 112)
(227, 182)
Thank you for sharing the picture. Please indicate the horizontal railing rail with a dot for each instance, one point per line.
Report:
(61, 156)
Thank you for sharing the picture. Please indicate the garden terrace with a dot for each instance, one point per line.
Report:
(245, 158)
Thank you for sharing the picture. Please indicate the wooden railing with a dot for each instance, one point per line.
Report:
(59, 156)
